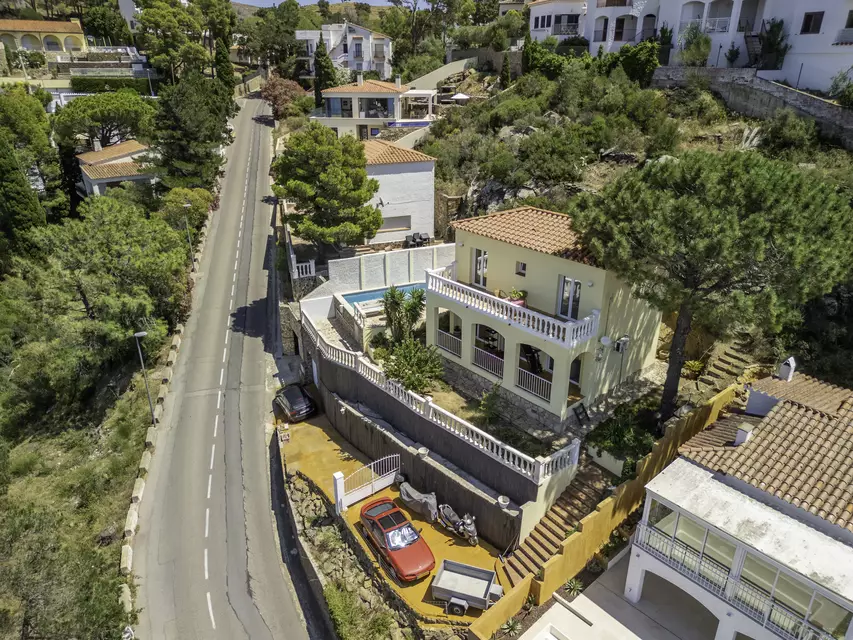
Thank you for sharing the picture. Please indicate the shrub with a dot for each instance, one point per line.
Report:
(416, 366)
(640, 61)
(774, 44)
(629, 433)
(845, 98)
(732, 54)
(693, 369)
(645, 107)
(573, 587)
(353, 619)
(695, 46)
(664, 137)
(489, 404)
(786, 130)
(84, 84)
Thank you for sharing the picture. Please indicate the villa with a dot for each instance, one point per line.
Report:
(525, 306)
(818, 31)
(112, 165)
(754, 520)
(350, 47)
(42, 35)
(365, 107)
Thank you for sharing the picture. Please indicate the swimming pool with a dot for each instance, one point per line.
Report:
(375, 294)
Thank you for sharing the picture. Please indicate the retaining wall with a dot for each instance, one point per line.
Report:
(745, 91)
(377, 270)
(486, 56)
(376, 440)
(595, 529)
(431, 80)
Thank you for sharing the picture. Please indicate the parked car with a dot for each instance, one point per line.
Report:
(397, 540)
(295, 403)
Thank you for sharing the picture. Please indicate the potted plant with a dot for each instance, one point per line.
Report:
(518, 297)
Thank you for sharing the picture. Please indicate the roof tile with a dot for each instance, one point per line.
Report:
(112, 170)
(382, 152)
(369, 86)
(113, 152)
(41, 26)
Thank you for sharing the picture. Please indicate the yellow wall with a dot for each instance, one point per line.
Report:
(14, 36)
(508, 606)
(620, 314)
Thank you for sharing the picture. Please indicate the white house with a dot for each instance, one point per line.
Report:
(350, 47)
(110, 166)
(406, 193)
(754, 520)
(365, 107)
(819, 31)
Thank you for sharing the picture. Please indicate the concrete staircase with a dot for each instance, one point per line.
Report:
(587, 489)
(753, 48)
(726, 367)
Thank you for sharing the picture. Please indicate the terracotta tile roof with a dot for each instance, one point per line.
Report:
(369, 86)
(796, 453)
(382, 152)
(112, 170)
(721, 433)
(40, 26)
(805, 390)
(376, 33)
(113, 152)
(531, 228)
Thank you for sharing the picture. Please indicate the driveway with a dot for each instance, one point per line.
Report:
(602, 613)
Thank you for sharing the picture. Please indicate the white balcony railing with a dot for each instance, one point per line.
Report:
(489, 362)
(845, 36)
(567, 333)
(717, 25)
(537, 385)
(714, 577)
(686, 23)
(448, 342)
(305, 269)
(565, 30)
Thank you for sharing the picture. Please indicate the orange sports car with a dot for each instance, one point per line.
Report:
(397, 540)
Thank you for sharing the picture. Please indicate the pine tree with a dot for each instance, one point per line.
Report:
(19, 207)
(525, 54)
(324, 72)
(506, 76)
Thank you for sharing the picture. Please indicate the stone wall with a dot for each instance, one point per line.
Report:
(744, 91)
(512, 407)
(4, 64)
(375, 438)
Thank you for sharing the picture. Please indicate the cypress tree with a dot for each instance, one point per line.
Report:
(324, 72)
(223, 67)
(506, 78)
(19, 207)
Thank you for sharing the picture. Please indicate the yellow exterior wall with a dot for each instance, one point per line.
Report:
(40, 36)
(620, 314)
(595, 529)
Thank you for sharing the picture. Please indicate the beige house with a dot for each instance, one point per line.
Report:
(42, 35)
(110, 166)
(527, 307)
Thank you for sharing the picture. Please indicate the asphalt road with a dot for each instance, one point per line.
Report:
(210, 559)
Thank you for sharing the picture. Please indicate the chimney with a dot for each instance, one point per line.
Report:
(787, 369)
(360, 79)
(744, 433)
(398, 82)
(96, 145)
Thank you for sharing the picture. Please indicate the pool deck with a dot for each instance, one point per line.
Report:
(317, 450)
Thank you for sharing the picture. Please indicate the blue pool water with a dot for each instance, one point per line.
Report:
(375, 294)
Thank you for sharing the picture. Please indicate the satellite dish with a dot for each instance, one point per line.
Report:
(605, 341)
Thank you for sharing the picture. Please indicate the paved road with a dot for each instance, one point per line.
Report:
(210, 559)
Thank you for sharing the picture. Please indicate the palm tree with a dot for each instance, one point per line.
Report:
(402, 311)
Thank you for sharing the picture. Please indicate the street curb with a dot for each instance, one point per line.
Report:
(131, 524)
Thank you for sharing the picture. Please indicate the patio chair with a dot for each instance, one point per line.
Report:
(410, 241)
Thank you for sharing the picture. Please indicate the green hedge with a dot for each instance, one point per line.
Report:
(85, 84)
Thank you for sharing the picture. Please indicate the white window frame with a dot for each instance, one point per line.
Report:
(574, 285)
(484, 275)
(521, 269)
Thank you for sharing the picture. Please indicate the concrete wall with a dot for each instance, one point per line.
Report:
(486, 56)
(433, 78)
(411, 140)
(743, 90)
(406, 197)
(428, 474)
(377, 270)
(350, 386)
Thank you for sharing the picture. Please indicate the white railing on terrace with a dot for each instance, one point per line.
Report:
(717, 25)
(565, 30)
(714, 577)
(686, 23)
(537, 469)
(568, 333)
(489, 362)
(297, 269)
(845, 36)
(448, 342)
(305, 269)
(537, 385)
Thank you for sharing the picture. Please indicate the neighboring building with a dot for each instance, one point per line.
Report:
(406, 193)
(817, 30)
(350, 47)
(110, 166)
(581, 334)
(755, 519)
(42, 35)
(365, 107)
(505, 6)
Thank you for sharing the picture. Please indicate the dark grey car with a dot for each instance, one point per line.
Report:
(295, 403)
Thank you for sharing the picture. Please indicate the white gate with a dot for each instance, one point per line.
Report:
(364, 482)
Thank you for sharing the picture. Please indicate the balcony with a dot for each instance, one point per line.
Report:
(532, 383)
(717, 25)
(845, 36)
(599, 35)
(624, 35)
(379, 54)
(448, 342)
(565, 30)
(566, 333)
(715, 578)
(488, 361)
(684, 24)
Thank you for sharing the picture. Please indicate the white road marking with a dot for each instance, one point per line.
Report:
(212, 452)
(234, 279)
(226, 336)
(224, 351)
(206, 522)
(235, 264)
(218, 398)
(210, 611)
(238, 243)
(232, 290)
(205, 564)
(209, 480)
(215, 426)
(238, 253)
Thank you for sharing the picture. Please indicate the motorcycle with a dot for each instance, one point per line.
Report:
(463, 527)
